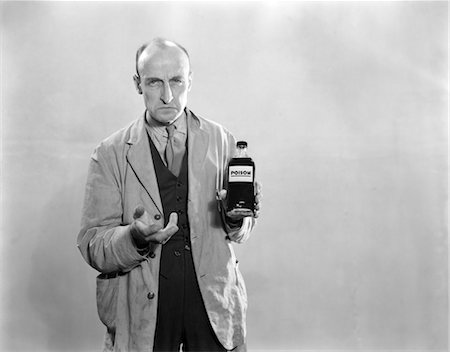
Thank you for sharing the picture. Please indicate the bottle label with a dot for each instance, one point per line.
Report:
(240, 173)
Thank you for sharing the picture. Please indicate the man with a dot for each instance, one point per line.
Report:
(155, 226)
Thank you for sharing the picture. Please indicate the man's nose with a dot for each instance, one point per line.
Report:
(166, 94)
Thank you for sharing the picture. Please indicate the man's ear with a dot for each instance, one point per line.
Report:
(137, 83)
(189, 81)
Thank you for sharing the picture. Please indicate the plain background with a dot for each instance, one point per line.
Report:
(344, 106)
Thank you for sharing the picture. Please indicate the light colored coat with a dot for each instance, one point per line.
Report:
(121, 176)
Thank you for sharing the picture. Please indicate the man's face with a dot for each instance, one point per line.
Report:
(165, 81)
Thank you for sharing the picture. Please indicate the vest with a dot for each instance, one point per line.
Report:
(173, 192)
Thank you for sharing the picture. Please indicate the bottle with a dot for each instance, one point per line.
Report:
(241, 178)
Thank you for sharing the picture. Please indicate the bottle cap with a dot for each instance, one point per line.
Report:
(242, 144)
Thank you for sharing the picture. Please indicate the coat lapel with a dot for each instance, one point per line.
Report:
(198, 140)
(140, 159)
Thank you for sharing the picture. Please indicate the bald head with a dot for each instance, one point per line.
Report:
(147, 50)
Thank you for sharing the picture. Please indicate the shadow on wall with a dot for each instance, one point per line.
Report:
(61, 287)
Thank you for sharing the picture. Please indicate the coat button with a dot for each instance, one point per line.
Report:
(151, 295)
(152, 255)
(177, 253)
(157, 216)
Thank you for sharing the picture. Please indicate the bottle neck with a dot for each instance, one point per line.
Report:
(241, 153)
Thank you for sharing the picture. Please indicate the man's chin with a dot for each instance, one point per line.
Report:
(167, 116)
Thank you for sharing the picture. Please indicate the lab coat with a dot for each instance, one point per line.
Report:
(121, 176)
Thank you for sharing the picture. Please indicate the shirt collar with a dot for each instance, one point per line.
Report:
(180, 125)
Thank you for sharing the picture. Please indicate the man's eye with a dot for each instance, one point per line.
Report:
(177, 81)
(154, 83)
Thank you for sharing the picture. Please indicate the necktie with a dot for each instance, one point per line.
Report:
(174, 155)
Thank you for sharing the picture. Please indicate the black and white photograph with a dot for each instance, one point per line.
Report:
(247, 176)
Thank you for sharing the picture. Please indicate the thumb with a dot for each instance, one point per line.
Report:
(170, 229)
(138, 212)
(173, 219)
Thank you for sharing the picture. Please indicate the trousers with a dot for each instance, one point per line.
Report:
(182, 319)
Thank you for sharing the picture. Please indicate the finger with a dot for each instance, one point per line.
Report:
(238, 214)
(164, 236)
(257, 198)
(152, 228)
(171, 227)
(222, 194)
(138, 212)
(257, 207)
(147, 229)
(159, 237)
(257, 187)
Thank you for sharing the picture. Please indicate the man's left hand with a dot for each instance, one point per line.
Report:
(239, 214)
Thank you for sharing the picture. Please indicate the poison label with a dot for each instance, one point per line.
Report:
(240, 173)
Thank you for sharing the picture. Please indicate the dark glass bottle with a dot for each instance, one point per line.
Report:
(241, 178)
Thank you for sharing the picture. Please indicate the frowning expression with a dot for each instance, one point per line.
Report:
(164, 81)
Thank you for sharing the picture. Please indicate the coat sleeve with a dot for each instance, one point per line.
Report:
(105, 243)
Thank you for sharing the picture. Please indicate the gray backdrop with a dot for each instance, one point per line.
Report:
(344, 106)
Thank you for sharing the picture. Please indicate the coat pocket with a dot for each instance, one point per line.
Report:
(107, 296)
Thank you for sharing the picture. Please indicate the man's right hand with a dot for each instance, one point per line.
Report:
(144, 230)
